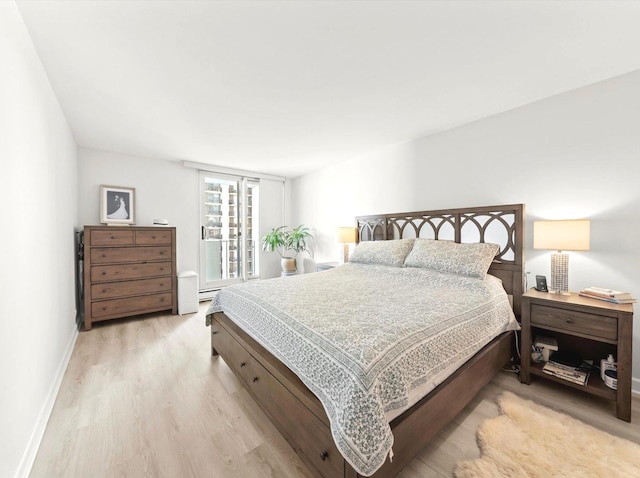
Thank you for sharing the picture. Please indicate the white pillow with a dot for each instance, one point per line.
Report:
(469, 259)
(388, 253)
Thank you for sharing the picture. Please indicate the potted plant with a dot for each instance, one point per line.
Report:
(280, 240)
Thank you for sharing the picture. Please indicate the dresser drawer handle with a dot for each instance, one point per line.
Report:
(255, 379)
(569, 321)
(324, 455)
(143, 262)
(242, 364)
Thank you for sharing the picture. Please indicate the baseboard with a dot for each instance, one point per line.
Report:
(29, 456)
(635, 386)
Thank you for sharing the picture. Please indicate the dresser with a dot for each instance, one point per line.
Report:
(128, 271)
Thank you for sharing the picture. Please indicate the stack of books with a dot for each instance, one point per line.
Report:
(608, 295)
(578, 375)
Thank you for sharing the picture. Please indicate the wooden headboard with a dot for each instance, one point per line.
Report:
(502, 225)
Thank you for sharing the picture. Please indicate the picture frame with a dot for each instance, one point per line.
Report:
(117, 205)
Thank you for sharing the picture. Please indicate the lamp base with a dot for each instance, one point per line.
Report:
(560, 273)
(345, 253)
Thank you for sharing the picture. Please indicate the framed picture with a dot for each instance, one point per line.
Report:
(117, 205)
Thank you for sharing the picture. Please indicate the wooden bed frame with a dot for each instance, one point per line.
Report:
(299, 415)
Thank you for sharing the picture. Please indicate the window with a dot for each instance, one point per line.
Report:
(230, 208)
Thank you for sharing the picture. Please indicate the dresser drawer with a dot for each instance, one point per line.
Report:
(131, 271)
(109, 255)
(112, 238)
(153, 237)
(131, 305)
(109, 290)
(574, 321)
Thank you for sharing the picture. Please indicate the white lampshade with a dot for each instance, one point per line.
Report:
(561, 235)
(347, 235)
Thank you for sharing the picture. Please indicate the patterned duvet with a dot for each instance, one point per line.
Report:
(368, 340)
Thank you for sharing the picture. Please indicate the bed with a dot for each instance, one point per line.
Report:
(364, 401)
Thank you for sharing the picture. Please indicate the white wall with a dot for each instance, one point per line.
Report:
(38, 180)
(271, 215)
(575, 155)
(164, 189)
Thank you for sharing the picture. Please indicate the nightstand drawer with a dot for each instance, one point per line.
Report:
(574, 321)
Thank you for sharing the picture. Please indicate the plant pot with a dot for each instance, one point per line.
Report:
(288, 264)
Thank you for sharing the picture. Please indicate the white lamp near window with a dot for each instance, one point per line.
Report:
(346, 236)
(569, 235)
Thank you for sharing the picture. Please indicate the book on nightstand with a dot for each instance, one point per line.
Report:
(608, 295)
(578, 375)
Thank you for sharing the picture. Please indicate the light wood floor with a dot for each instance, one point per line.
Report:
(144, 397)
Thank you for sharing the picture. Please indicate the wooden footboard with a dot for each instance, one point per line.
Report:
(300, 417)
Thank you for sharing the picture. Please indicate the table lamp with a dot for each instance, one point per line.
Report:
(570, 235)
(346, 236)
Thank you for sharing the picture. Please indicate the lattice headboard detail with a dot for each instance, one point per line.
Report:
(502, 225)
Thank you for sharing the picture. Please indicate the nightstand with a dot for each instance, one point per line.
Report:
(589, 327)
(325, 266)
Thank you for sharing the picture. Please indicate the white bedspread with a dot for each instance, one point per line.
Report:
(369, 341)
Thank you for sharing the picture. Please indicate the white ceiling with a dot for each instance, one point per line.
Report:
(287, 87)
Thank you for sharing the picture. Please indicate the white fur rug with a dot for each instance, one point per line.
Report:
(530, 441)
